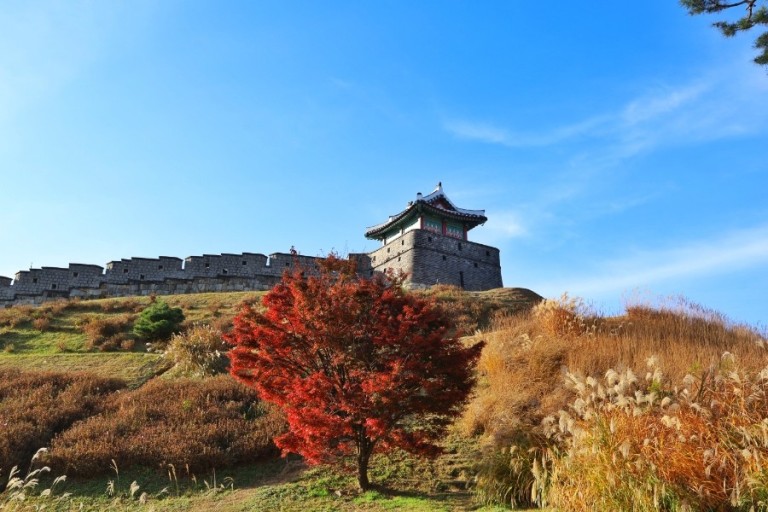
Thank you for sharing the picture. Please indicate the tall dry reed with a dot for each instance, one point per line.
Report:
(527, 356)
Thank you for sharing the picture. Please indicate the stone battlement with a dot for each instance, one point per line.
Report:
(430, 259)
(426, 257)
(144, 276)
(427, 241)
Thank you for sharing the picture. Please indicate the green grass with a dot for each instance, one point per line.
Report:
(135, 368)
(281, 485)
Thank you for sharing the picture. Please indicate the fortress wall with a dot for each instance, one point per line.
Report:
(430, 258)
(85, 276)
(210, 265)
(144, 269)
(427, 258)
(445, 260)
(6, 292)
(40, 280)
(145, 276)
(395, 256)
(281, 261)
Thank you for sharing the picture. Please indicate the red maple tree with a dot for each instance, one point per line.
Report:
(358, 365)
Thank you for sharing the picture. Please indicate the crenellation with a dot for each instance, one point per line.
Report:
(146, 276)
(82, 275)
(6, 292)
(213, 265)
(144, 269)
(427, 242)
(281, 261)
(430, 258)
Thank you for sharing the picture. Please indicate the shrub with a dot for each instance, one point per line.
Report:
(15, 316)
(35, 406)
(42, 324)
(199, 351)
(53, 308)
(202, 424)
(158, 321)
(106, 334)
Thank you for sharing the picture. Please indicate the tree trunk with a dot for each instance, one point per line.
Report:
(364, 448)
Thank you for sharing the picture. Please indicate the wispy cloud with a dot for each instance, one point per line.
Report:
(503, 225)
(484, 132)
(724, 103)
(722, 254)
(660, 102)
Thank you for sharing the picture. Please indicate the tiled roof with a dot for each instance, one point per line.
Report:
(435, 202)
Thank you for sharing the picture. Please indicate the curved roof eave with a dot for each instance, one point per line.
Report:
(472, 219)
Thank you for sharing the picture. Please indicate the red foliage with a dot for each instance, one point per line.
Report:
(357, 365)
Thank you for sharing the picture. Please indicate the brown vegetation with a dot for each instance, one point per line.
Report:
(523, 381)
(108, 333)
(34, 407)
(198, 424)
(199, 351)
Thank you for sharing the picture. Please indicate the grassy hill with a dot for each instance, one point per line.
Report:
(660, 408)
(91, 341)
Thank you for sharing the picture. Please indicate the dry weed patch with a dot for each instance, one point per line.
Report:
(190, 423)
(35, 406)
(199, 351)
(633, 443)
(108, 333)
(523, 369)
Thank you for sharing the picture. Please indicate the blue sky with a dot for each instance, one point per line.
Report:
(618, 152)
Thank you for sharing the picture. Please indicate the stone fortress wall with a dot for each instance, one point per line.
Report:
(145, 276)
(430, 259)
(427, 258)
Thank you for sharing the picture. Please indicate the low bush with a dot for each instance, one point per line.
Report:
(107, 334)
(158, 321)
(121, 305)
(199, 351)
(16, 316)
(42, 323)
(53, 308)
(35, 406)
(199, 424)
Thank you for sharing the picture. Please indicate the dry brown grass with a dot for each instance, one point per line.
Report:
(198, 424)
(35, 406)
(634, 443)
(199, 351)
(108, 333)
(473, 311)
(523, 367)
(526, 354)
(16, 316)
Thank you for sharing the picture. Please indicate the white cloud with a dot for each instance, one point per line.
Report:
(660, 102)
(719, 255)
(725, 103)
(491, 134)
(509, 224)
